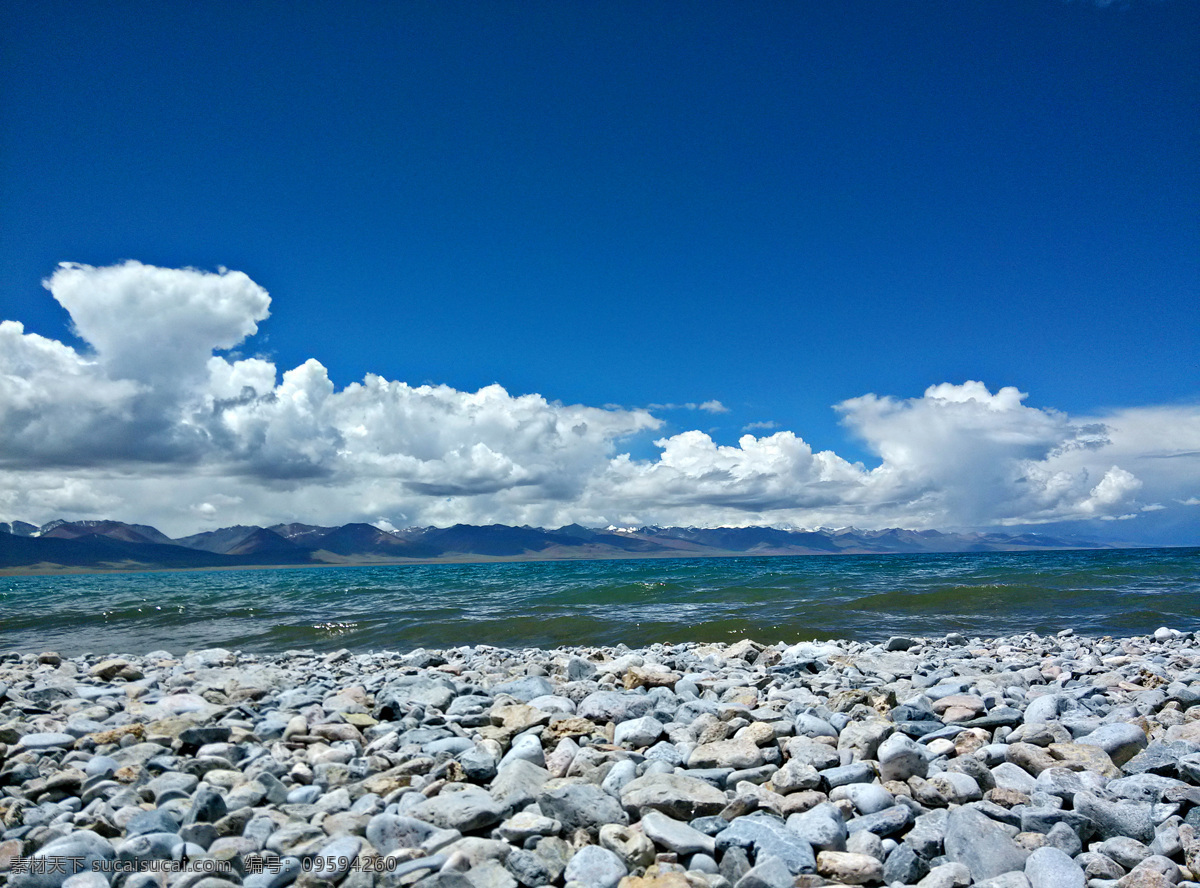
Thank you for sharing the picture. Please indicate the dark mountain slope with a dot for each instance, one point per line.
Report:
(115, 530)
(100, 551)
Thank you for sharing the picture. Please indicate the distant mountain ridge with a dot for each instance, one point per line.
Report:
(116, 545)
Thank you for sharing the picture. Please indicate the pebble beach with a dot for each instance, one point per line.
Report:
(1029, 761)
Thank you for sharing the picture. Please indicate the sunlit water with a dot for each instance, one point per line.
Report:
(635, 602)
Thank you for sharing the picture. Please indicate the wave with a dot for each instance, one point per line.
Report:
(551, 604)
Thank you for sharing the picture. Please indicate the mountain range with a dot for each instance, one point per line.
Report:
(114, 545)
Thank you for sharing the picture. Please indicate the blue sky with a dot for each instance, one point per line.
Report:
(781, 207)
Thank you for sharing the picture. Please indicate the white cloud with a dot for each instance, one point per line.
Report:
(55, 404)
(760, 426)
(713, 406)
(694, 476)
(152, 424)
(958, 456)
(974, 458)
(158, 325)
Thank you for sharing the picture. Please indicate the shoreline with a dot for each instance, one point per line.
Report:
(1023, 761)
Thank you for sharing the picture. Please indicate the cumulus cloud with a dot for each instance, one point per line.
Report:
(153, 399)
(57, 405)
(970, 457)
(154, 421)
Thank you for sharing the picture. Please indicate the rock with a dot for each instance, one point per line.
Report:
(81, 850)
(638, 733)
(770, 872)
(883, 823)
(676, 836)
(904, 865)
(200, 735)
(735, 754)
(1065, 839)
(1043, 820)
(1159, 758)
(568, 726)
(552, 855)
(155, 821)
(469, 809)
(1005, 880)
(1146, 877)
(947, 875)
(863, 738)
(900, 758)
(633, 847)
(956, 787)
(768, 836)
(822, 827)
(1120, 741)
(1063, 783)
(334, 859)
(401, 695)
(304, 755)
(1092, 758)
(1188, 768)
(478, 765)
(1030, 758)
(579, 669)
(527, 748)
(86, 880)
(1046, 708)
(390, 832)
(657, 879)
(1099, 866)
(666, 752)
(106, 670)
(1125, 851)
(676, 795)
(1048, 867)
(981, 845)
(528, 868)
(596, 867)
(1111, 819)
(848, 868)
(959, 707)
(794, 777)
(525, 688)
(867, 798)
(171, 782)
(10, 849)
(491, 874)
(866, 842)
(518, 784)
(805, 751)
(1007, 798)
(525, 824)
(855, 772)
(614, 706)
(40, 740)
(619, 776)
(580, 806)
(1010, 776)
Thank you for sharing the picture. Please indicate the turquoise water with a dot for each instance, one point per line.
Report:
(636, 602)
